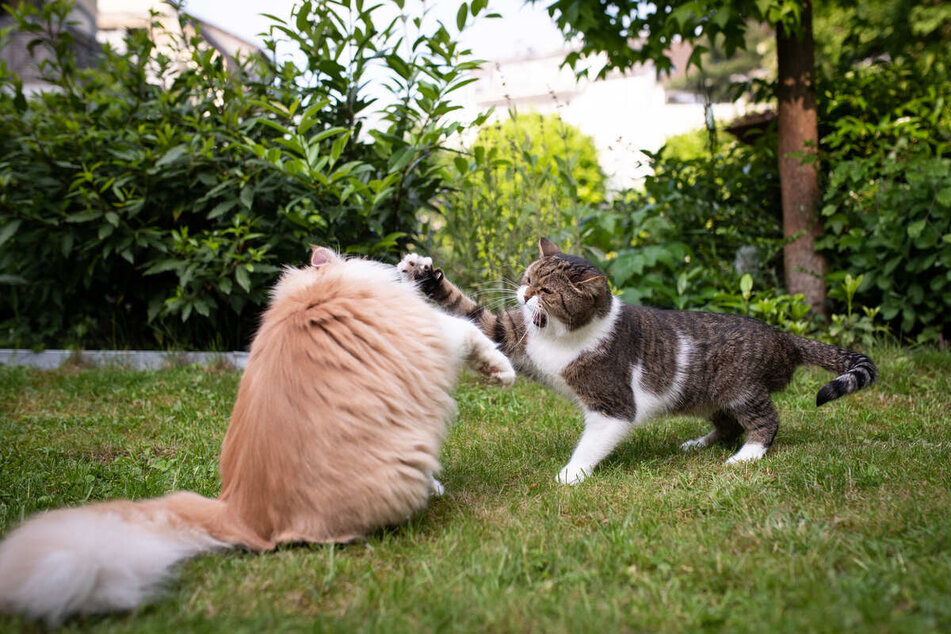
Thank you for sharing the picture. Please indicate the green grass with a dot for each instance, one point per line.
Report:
(845, 526)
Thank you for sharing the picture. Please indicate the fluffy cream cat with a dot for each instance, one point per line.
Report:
(336, 430)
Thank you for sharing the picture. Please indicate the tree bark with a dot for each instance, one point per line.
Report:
(798, 138)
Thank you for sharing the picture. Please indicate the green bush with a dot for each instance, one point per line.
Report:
(148, 203)
(528, 176)
(886, 204)
(887, 198)
(675, 242)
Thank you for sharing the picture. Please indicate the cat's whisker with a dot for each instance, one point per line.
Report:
(496, 304)
(494, 289)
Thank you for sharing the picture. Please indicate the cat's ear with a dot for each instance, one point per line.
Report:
(547, 247)
(319, 256)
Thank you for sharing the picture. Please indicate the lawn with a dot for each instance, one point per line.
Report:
(844, 526)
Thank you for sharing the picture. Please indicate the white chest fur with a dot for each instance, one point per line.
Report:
(650, 405)
(551, 354)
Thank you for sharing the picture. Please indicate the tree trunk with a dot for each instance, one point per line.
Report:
(798, 138)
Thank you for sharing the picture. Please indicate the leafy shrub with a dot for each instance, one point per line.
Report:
(887, 199)
(529, 176)
(147, 202)
(676, 242)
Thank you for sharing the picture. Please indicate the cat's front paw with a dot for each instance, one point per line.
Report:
(571, 475)
(436, 487)
(414, 267)
(498, 369)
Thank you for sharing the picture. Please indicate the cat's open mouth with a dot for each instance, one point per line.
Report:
(540, 320)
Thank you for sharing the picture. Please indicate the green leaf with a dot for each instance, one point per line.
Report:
(83, 216)
(746, 285)
(247, 196)
(242, 278)
(172, 155)
(9, 230)
(396, 63)
(222, 208)
(401, 158)
(339, 144)
(461, 16)
(164, 265)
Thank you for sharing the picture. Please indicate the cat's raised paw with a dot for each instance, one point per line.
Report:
(498, 370)
(414, 267)
(503, 376)
(436, 487)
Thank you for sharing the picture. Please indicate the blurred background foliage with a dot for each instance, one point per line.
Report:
(149, 204)
(527, 176)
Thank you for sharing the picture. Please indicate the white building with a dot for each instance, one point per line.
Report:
(624, 113)
(97, 22)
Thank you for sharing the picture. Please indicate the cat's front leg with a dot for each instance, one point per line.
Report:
(469, 344)
(601, 435)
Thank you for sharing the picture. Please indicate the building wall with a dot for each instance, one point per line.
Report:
(27, 63)
(624, 113)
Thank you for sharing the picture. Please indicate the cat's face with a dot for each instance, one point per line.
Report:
(561, 293)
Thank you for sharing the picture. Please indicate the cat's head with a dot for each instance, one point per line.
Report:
(327, 265)
(561, 293)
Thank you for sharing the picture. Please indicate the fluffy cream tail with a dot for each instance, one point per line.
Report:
(110, 556)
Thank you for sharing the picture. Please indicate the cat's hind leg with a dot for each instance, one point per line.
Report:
(601, 435)
(761, 420)
(725, 428)
(469, 344)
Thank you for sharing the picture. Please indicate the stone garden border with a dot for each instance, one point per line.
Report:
(131, 359)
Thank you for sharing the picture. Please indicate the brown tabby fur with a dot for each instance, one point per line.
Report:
(647, 362)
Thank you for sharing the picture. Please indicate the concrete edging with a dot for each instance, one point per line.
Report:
(131, 359)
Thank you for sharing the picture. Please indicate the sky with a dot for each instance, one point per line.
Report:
(522, 28)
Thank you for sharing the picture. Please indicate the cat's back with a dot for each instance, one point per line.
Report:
(341, 411)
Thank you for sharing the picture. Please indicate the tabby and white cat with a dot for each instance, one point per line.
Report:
(336, 430)
(624, 365)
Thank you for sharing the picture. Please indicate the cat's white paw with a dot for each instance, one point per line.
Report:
(496, 368)
(413, 266)
(571, 475)
(696, 443)
(437, 487)
(748, 452)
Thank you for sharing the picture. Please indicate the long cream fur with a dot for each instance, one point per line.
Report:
(336, 430)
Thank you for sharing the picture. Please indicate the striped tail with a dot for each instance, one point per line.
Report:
(855, 370)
